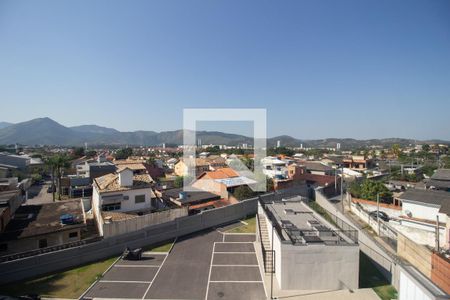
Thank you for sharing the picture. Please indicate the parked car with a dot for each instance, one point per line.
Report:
(383, 216)
(135, 254)
(51, 189)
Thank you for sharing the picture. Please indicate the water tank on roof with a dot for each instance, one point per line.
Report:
(67, 219)
(182, 195)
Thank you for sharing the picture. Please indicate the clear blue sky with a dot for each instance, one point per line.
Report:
(362, 69)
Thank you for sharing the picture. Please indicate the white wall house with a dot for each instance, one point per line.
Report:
(274, 167)
(122, 192)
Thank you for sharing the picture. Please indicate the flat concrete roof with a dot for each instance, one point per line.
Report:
(303, 226)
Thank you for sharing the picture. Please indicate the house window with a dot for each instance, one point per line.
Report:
(3, 247)
(112, 206)
(73, 234)
(139, 199)
(42, 243)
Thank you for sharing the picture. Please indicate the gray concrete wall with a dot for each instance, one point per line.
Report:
(131, 225)
(319, 267)
(382, 260)
(68, 258)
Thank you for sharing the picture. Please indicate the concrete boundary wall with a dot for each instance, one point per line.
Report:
(47, 263)
(383, 261)
(115, 228)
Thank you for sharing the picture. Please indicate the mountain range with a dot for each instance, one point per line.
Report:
(45, 131)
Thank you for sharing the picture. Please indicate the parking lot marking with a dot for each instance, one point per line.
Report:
(159, 269)
(136, 266)
(234, 242)
(235, 265)
(210, 267)
(121, 281)
(235, 281)
(235, 252)
(236, 233)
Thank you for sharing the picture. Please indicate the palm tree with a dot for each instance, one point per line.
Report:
(51, 163)
(62, 162)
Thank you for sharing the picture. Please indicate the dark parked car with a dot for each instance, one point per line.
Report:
(135, 254)
(383, 216)
(51, 189)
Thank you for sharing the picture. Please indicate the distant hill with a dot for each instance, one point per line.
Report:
(5, 124)
(45, 131)
(94, 129)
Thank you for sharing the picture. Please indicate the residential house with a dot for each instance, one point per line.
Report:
(422, 209)
(9, 202)
(440, 180)
(171, 162)
(18, 161)
(40, 226)
(196, 200)
(274, 167)
(202, 165)
(318, 168)
(357, 162)
(123, 191)
(222, 182)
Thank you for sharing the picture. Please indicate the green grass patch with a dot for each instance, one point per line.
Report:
(67, 284)
(162, 247)
(371, 277)
(250, 227)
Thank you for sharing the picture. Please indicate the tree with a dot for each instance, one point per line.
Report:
(396, 149)
(269, 185)
(78, 152)
(368, 189)
(90, 153)
(178, 183)
(51, 164)
(151, 161)
(62, 163)
(243, 192)
(123, 153)
(425, 147)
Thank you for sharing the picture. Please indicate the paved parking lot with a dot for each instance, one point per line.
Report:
(128, 279)
(208, 265)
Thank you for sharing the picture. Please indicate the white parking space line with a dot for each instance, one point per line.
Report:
(234, 242)
(136, 266)
(235, 252)
(236, 233)
(159, 269)
(121, 281)
(235, 265)
(210, 267)
(234, 281)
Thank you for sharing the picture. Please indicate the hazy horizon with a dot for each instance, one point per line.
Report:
(321, 68)
(221, 127)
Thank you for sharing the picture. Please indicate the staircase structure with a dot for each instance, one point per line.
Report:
(266, 247)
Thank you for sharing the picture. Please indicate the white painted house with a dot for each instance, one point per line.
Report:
(421, 209)
(274, 167)
(123, 192)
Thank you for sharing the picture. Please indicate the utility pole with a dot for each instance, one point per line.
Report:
(342, 189)
(437, 234)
